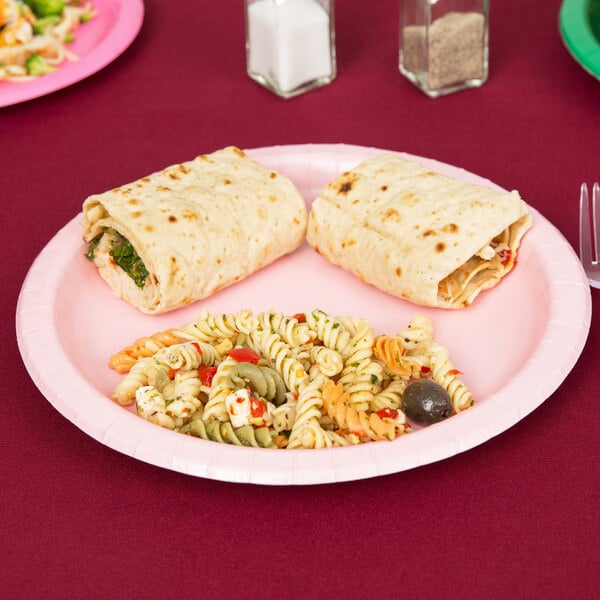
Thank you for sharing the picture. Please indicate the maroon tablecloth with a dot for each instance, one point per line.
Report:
(515, 517)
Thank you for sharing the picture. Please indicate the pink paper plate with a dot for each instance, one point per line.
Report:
(97, 43)
(515, 345)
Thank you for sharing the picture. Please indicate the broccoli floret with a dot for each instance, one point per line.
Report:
(40, 26)
(46, 8)
(36, 65)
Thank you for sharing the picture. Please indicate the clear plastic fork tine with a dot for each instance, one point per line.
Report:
(589, 244)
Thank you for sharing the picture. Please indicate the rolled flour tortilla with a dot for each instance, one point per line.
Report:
(183, 233)
(417, 234)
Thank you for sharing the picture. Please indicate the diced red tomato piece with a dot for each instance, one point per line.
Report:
(206, 374)
(389, 413)
(258, 407)
(244, 355)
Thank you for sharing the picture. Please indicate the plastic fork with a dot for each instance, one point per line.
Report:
(589, 228)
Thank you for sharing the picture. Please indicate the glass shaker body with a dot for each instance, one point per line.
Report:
(444, 44)
(290, 44)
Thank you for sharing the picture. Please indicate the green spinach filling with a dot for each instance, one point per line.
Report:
(124, 255)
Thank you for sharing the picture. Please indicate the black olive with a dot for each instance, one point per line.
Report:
(426, 402)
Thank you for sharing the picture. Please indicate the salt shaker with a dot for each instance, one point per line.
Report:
(444, 44)
(290, 44)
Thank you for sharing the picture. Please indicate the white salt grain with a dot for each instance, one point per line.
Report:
(289, 42)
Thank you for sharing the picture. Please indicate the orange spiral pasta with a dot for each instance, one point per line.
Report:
(145, 346)
(359, 423)
(389, 350)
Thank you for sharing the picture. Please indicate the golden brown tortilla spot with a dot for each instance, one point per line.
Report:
(296, 221)
(238, 152)
(272, 175)
(184, 169)
(384, 188)
(261, 213)
(218, 260)
(190, 215)
(172, 219)
(428, 233)
(174, 175)
(440, 247)
(348, 242)
(227, 181)
(346, 183)
(133, 202)
(450, 228)
(145, 179)
(398, 272)
(149, 228)
(393, 215)
(356, 201)
(163, 188)
(409, 199)
(136, 215)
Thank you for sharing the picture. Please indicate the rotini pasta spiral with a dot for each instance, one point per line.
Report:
(215, 408)
(212, 328)
(188, 355)
(361, 376)
(290, 330)
(124, 393)
(326, 361)
(446, 375)
(266, 382)
(224, 432)
(123, 360)
(357, 423)
(330, 331)
(390, 396)
(280, 356)
(390, 350)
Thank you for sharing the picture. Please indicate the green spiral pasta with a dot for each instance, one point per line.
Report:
(266, 382)
(223, 432)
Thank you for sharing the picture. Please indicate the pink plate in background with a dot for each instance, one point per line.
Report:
(97, 43)
(68, 324)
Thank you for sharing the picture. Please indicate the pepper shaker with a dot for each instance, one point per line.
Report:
(444, 44)
(290, 44)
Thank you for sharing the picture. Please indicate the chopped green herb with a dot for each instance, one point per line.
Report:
(92, 247)
(127, 259)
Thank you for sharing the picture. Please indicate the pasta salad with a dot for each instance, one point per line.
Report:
(310, 380)
(34, 35)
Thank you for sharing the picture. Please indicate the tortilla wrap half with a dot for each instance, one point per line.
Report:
(417, 234)
(183, 233)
